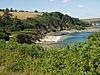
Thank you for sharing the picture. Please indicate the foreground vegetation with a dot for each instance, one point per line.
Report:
(24, 59)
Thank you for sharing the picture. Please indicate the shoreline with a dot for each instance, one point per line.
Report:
(55, 37)
(50, 39)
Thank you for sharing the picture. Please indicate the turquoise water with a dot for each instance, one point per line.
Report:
(98, 24)
(74, 38)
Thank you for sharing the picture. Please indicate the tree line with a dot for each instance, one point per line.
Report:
(15, 10)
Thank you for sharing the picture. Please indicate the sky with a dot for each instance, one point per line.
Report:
(75, 8)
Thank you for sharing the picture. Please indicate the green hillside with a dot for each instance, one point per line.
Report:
(32, 29)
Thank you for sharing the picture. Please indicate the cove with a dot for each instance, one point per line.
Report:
(74, 38)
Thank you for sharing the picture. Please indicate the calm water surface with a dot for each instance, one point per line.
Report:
(74, 38)
(69, 39)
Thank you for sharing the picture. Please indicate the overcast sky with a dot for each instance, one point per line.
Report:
(75, 8)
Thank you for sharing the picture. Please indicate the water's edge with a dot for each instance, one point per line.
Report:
(68, 39)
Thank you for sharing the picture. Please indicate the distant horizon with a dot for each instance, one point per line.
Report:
(83, 9)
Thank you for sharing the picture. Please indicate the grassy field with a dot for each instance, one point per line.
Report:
(23, 15)
(91, 20)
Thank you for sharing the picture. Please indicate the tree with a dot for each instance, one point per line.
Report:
(15, 10)
(1, 9)
(24, 38)
(36, 11)
(7, 20)
(15, 23)
(11, 9)
(21, 10)
(7, 10)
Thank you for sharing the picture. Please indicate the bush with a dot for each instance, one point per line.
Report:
(17, 66)
(24, 38)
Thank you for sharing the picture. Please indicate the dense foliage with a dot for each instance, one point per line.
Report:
(35, 28)
(24, 59)
(19, 58)
(95, 36)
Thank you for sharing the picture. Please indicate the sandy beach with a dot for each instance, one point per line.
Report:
(54, 37)
(51, 39)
